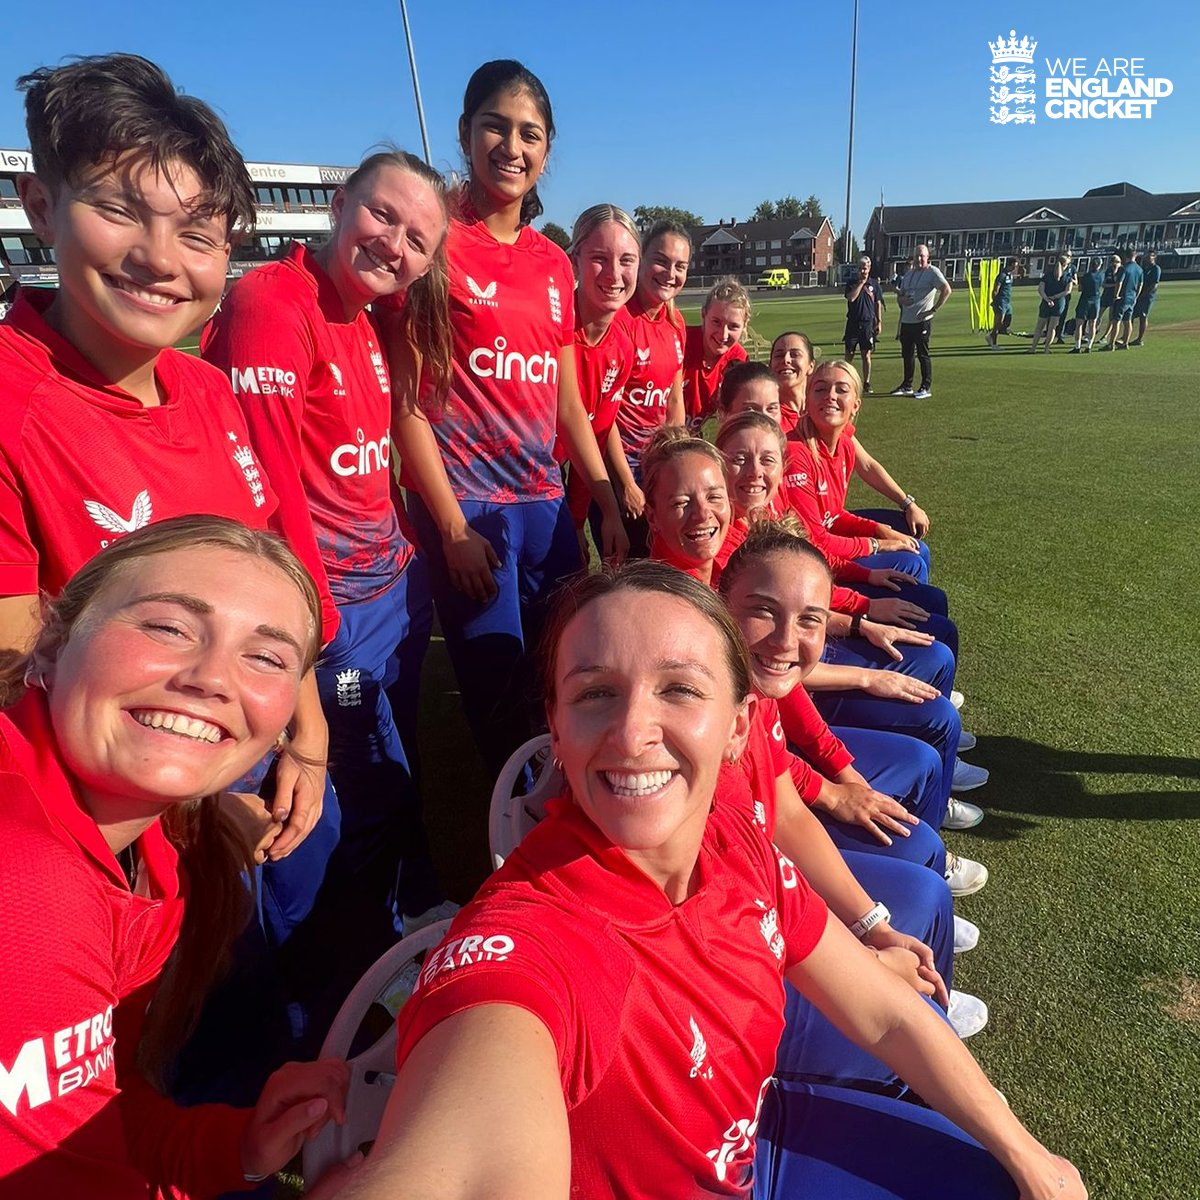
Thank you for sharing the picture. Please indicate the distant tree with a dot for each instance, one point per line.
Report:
(646, 214)
(855, 249)
(557, 234)
(764, 212)
(812, 208)
(788, 208)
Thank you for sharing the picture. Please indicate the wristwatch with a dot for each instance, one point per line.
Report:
(856, 624)
(869, 920)
(908, 501)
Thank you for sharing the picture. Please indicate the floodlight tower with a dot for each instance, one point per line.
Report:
(850, 150)
(412, 66)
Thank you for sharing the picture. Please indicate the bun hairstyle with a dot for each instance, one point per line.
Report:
(781, 535)
(642, 576)
(506, 75)
(424, 321)
(82, 117)
(669, 443)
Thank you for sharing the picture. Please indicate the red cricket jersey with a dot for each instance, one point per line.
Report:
(512, 311)
(82, 462)
(82, 955)
(666, 1018)
(658, 360)
(701, 383)
(318, 403)
(789, 418)
(816, 492)
(603, 372)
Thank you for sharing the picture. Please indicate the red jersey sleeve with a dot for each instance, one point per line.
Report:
(850, 524)
(196, 1150)
(487, 959)
(804, 500)
(248, 332)
(847, 600)
(807, 730)
(18, 555)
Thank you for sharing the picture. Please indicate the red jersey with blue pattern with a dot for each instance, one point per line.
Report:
(658, 361)
(701, 383)
(603, 369)
(666, 1017)
(83, 462)
(314, 387)
(512, 311)
(816, 492)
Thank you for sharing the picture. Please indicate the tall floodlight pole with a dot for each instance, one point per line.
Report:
(412, 66)
(850, 151)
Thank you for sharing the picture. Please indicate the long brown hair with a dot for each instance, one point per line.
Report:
(214, 856)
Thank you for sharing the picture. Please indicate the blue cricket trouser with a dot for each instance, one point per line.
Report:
(369, 678)
(935, 723)
(932, 664)
(811, 1047)
(900, 765)
(840, 1144)
(491, 645)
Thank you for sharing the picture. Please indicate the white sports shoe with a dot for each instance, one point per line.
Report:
(967, 1014)
(966, 935)
(964, 875)
(967, 776)
(967, 741)
(957, 699)
(961, 815)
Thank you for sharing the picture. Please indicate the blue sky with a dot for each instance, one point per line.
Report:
(710, 106)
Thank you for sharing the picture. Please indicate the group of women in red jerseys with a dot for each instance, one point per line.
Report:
(440, 326)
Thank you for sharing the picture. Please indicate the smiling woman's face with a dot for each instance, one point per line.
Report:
(178, 677)
(644, 713)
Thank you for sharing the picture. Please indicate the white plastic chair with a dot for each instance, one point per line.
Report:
(511, 816)
(372, 1072)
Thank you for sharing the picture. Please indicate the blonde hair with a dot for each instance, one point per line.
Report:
(598, 215)
(805, 426)
(727, 291)
(669, 443)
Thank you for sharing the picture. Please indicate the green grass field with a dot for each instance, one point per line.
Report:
(1061, 491)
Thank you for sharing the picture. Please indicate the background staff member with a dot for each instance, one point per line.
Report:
(1002, 302)
(1147, 296)
(864, 317)
(922, 290)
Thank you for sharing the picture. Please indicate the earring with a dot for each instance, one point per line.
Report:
(280, 742)
(35, 677)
